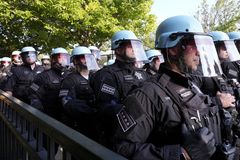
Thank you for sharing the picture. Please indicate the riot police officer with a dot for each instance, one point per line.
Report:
(112, 83)
(168, 117)
(228, 54)
(76, 94)
(46, 62)
(16, 58)
(236, 37)
(155, 58)
(22, 76)
(46, 86)
(5, 66)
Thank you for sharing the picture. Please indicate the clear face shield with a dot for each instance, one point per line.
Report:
(227, 51)
(200, 56)
(63, 59)
(237, 43)
(87, 60)
(134, 50)
(97, 54)
(29, 57)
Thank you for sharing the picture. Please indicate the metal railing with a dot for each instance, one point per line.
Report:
(28, 134)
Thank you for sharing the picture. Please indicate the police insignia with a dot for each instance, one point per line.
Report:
(108, 89)
(34, 87)
(138, 75)
(125, 120)
(63, 92)
(233, 73)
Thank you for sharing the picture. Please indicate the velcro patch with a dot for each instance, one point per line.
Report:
(128, 78)
(34, 87)
(63, 92)
(108, 89)
(125, 120)
(83, 82)
(233, 73)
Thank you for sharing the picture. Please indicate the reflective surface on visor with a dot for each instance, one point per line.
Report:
(138, 51)
(91, 62)
(232, 51)
(209, 65)
(63, 59)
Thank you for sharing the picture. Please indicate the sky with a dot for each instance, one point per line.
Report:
(167, 8)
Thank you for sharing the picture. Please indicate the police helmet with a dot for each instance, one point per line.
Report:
(219, 36)
(80, 50)
(172, 30)
(6, 59)
(234, 35)
(93, 48)
(152, 53)
(124, 35)
(59, 50)
(46, 56)
(28, 49)
(16, 53)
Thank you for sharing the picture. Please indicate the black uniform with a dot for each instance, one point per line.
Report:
(151, 124)
(20, 81)
(231, 69)
(111, 85)
(45, 92)
(78, 101)
(5, 73)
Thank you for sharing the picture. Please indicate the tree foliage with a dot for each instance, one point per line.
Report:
(52, 23)
(223, 15)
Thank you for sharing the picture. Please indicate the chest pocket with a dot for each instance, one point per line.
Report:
(199, 111)
(83, 90)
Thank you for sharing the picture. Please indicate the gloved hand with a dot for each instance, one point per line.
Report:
(36, 104)
(200, 144)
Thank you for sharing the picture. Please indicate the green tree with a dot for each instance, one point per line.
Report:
(223, 15)
(52, 23)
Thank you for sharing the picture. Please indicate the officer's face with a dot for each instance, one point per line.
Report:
(223, 54)
(191, 56)
(126, 48)
(5, 63)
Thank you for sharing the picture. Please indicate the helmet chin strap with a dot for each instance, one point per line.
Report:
(178, 59)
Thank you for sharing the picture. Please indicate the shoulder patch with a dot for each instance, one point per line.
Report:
(233, 73)
(108, 89)
(125, 120)
(34, 87)
(63, 92)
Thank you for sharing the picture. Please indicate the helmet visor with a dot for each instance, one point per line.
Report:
(237, 43)
(63, 59)
(138, 50)
(209, 65)
(87, 60)
(227, 51)
(29, 57)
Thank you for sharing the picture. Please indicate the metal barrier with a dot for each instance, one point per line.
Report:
(28, 134)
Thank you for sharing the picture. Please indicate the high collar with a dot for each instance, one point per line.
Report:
(125, 65)
(175, 77)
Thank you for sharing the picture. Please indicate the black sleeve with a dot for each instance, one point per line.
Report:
(11, 82)
(105, 86)
(37, 90)
(132, 134)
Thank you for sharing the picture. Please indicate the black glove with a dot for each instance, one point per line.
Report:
(36, 104)
(199, 144)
